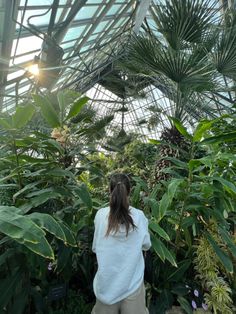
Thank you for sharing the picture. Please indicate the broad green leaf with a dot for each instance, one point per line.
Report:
(5, 124)
(63, 258)
(179, 272)
(185, 305)
(47, 110)
(177, 162)
(41, 248)
(163, 206)
(53, 145)
(228, 240)
(58, 172)
(84, 195)
(153, 203)
(70, 238)
(169, 255)
(43, 197)
(22, 116)
(24, 231)
(173, 186)
(223, 257)
(29, 186)
(156, 244)
(179, 126)
(201, 128)
(224, 137)
(161, 232)
(76, 107)
(227, 184)
(48, 223)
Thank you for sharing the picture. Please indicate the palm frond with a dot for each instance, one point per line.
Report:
(224, 56)
(185, 20)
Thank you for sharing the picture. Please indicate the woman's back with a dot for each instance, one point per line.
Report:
(121, 233)
(119, 255)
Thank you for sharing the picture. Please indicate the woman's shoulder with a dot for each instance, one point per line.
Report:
(137, 212)
(102, 211)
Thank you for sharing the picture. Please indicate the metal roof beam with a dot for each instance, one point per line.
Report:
(141, 14)
(9, 7)
(60, 34)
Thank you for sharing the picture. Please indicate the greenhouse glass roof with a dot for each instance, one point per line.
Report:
(75, 43)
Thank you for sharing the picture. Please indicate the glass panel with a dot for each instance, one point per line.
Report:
(113, 10)
(95, 1)
(74, 32)
(30, 15)
(86, 13)
(41, 2)
(101, 26)
(25, 44)
(68, 44)
(25, 58)
(15, 74)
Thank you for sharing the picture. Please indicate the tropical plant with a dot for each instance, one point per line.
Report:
(200, 194)
(189, 54)
(45, 206)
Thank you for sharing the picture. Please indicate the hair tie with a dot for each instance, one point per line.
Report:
(119, 182)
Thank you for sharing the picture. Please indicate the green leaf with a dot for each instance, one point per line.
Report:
(228, 240)
(185, 305)
(24, 231)
(179, 126)
(153, 141)
(180, 271)
(169, 255)
(223, 257)
(70, 238)
(163, 206)
(162, 251)
(58, 172)
(26, 188)
(227, 184)
(161, 232)
(48, 223)
(156, 244)
(5, 124)
(47, 110)
(76, 107)
(201, 128)
(22, 116)
(84, 195)
(177, 162)
(173, 186)
(224, 137)
(43, 197)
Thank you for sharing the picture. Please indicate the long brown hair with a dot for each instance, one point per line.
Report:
(119, 204)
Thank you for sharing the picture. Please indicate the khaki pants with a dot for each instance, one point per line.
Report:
(134, 304)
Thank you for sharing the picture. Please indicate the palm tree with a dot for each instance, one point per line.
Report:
(191, 56)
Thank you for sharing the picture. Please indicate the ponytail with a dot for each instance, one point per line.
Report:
(119, 204)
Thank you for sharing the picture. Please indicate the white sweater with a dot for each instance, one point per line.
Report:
(120, 258)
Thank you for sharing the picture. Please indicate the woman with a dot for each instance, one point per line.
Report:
(121, 233)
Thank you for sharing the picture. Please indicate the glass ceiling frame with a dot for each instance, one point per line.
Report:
(96, 40)
(93, 35)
